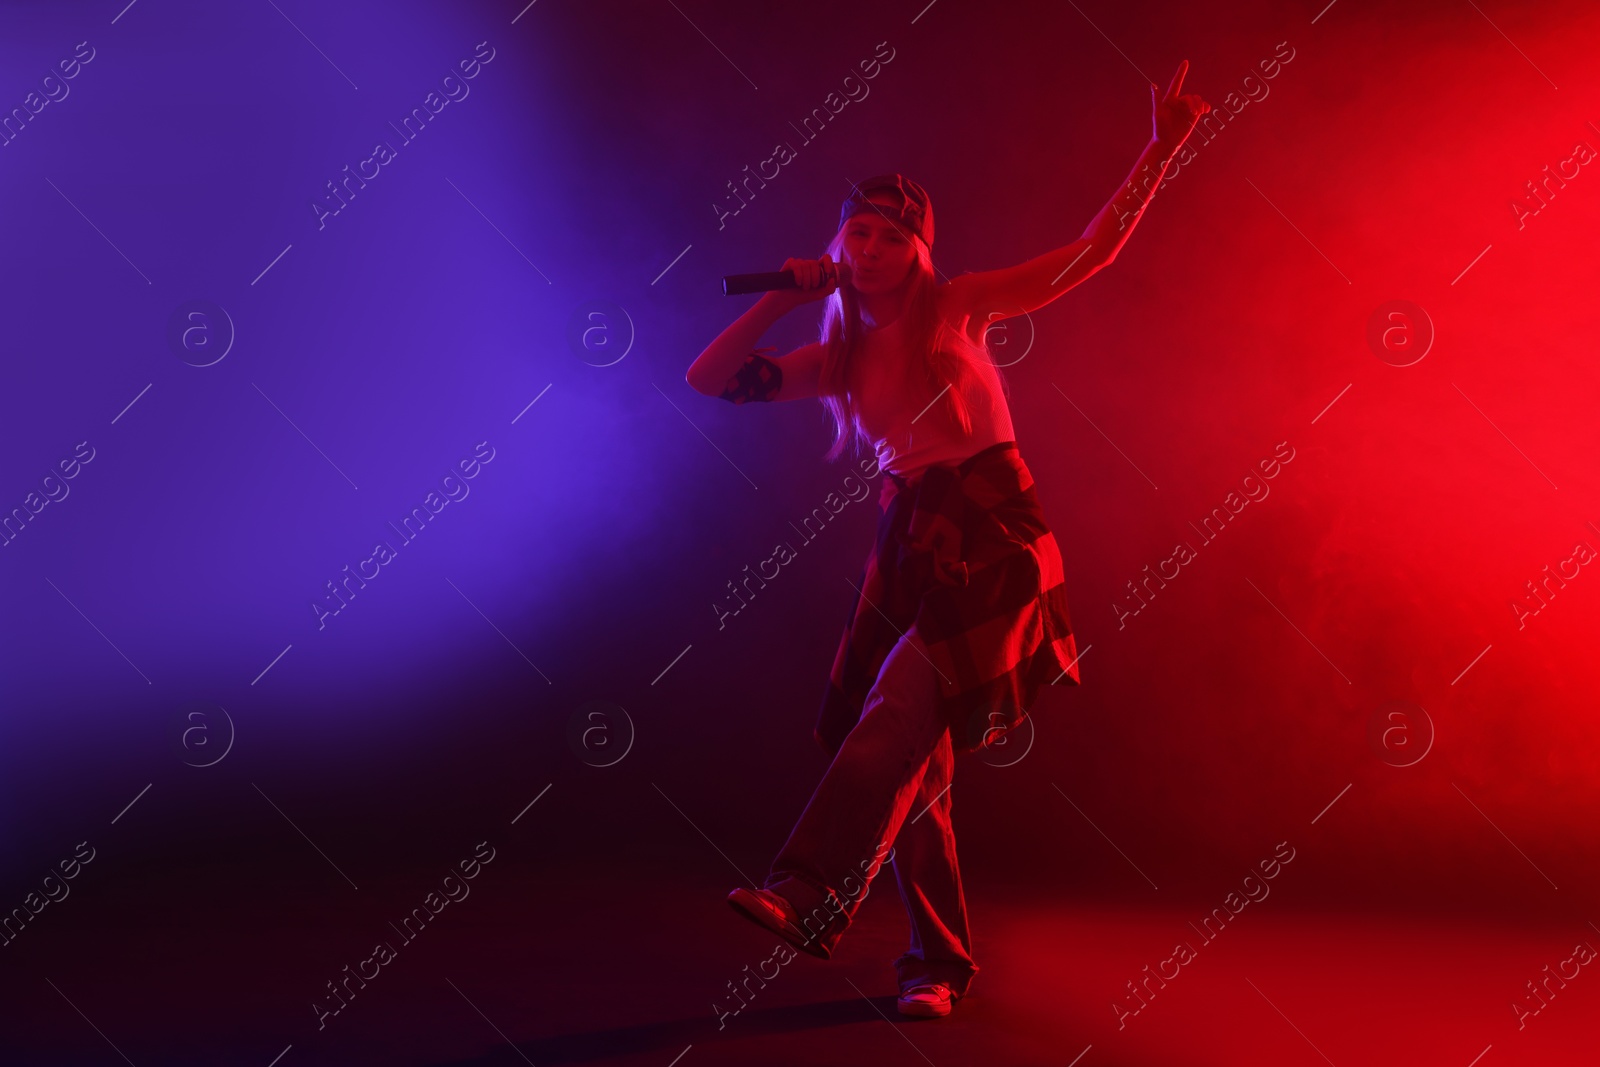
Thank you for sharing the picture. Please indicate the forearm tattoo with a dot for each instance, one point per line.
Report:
(758, 379)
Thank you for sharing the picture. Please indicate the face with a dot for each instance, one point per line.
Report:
(879, 253)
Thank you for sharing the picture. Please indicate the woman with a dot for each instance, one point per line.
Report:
(961, 614)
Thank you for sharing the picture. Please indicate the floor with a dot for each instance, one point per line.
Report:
(575, 966)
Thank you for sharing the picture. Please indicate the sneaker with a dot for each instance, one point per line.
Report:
(768, 909)
(927, 1000)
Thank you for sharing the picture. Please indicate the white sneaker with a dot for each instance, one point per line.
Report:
(769, 909)
(927, 1000)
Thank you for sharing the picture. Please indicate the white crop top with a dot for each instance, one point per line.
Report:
(895, 410)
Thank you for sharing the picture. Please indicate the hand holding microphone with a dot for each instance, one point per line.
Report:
(800, 281)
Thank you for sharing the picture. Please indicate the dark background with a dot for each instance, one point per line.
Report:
(581, 173)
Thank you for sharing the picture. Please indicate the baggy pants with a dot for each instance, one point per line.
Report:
(888, 785)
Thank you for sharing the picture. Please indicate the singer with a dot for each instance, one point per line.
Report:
(962, 613)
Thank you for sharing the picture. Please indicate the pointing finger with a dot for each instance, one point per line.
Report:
(1177, 80)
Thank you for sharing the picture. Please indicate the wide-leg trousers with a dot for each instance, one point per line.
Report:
(886, 798)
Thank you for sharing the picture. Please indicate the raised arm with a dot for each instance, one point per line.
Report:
(1031, 285)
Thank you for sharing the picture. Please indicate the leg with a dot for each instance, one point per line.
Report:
(929, 878)
(844, 835)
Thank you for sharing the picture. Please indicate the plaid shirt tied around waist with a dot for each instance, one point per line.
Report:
(964, 553)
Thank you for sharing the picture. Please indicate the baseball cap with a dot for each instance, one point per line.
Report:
(914, 211)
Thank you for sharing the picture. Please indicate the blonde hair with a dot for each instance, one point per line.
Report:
(926, 330)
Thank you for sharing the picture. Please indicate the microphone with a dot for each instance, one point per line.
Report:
(739, 284)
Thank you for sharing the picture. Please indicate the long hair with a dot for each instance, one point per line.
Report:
(925, 334)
